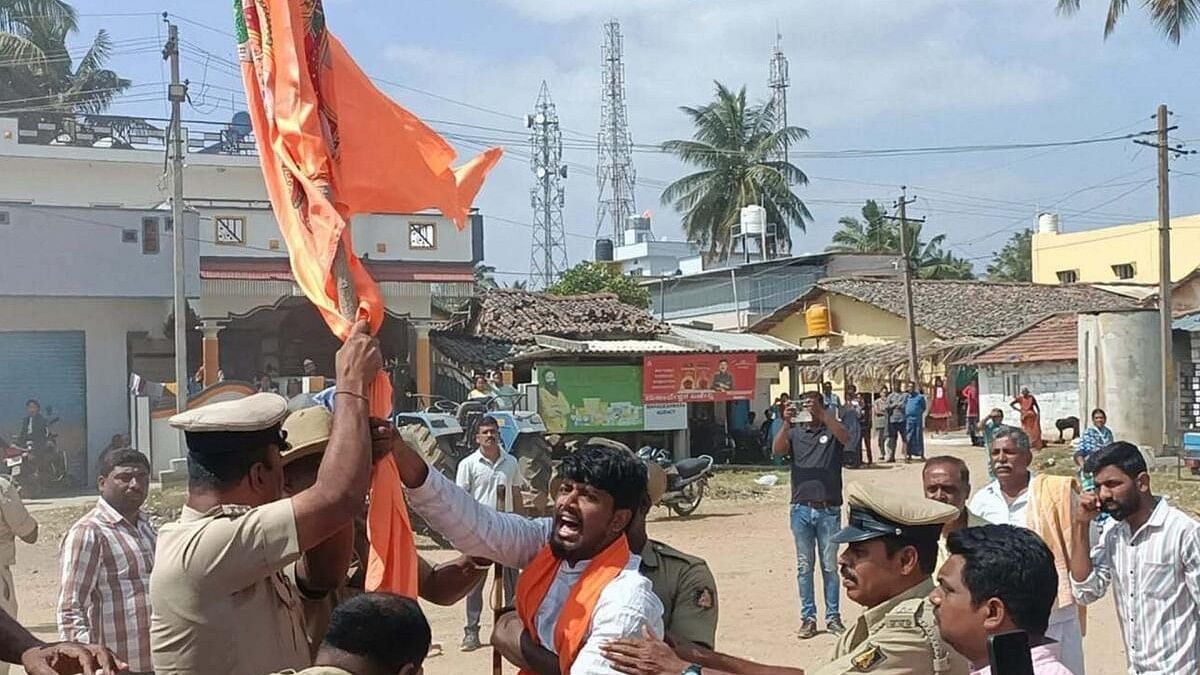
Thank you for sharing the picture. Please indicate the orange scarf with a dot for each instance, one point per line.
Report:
(331, 146)
(575, 621)
(1052, 496)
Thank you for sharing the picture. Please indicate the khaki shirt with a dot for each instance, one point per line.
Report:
(944, 552)
(221, 603)
(315, 670)
(15, 521)
(898, 637)
(687, 590)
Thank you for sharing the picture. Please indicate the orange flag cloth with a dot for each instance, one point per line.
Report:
(332, 146)
(575, 621)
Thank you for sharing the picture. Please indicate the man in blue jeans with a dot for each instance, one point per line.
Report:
(816, 439)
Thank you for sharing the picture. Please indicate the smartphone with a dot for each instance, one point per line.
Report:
(1008, 653)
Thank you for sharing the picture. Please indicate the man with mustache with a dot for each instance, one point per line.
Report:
(891, 548)
(580, 586)
(947, 479)
(1042, 503)
(1150, 553)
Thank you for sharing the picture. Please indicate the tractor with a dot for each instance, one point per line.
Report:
(444, 433)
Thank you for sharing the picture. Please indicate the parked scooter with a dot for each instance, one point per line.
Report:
(36, 472)
(686, 479)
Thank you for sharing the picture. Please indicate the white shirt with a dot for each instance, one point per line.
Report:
(991, 505)
(481, 477)
(626, 605)
(1156, 572)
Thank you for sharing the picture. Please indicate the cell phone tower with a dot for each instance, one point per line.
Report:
(548, 257)
(779, 83)
(614, 173)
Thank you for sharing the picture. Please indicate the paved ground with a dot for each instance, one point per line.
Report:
(747, 543)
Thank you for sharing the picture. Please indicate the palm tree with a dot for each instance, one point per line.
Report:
(740, 153)
(485, 277)
(877, 233)
(1171, 16)
(37, 73)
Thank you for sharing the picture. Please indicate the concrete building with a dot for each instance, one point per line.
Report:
(1122, 253)
(87, 283)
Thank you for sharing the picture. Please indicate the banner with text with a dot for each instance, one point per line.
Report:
(590, 399)
(675, 378)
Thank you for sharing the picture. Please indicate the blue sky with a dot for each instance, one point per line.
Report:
(865, 74)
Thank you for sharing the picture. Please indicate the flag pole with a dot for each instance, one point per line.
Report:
(347, 298)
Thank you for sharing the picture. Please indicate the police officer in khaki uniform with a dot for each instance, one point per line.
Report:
(15, 522)
(891, 550)
(892, 545)
(308, 432)
(221, 603)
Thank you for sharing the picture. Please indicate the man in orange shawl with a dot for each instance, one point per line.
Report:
(580, 586)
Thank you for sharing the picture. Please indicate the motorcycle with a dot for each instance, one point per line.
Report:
(37, 471)
(14, 457)
(686, 479)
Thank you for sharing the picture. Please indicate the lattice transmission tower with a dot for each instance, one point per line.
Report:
(779, 82)
(548, 257)
(614, 175)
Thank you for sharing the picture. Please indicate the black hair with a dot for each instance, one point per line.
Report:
(964, 473)
(1099, 410)
(617, 472)
(121, 457)
(219, 460)
(487, 421)
(34, 401)
(1011, 564)
(927, 550)
(816, 397)
(1122, 454)
(388, 630)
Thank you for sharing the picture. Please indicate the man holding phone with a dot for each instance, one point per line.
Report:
(816, 440)
(998, 579)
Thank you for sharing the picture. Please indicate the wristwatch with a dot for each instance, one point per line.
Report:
(693, 669)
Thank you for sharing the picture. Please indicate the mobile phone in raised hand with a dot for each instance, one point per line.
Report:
(1008, 653)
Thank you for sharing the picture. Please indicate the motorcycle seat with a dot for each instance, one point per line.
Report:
(691, 467)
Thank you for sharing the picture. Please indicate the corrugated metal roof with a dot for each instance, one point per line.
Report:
(735, 342)
(634, 347)
(1188, 322)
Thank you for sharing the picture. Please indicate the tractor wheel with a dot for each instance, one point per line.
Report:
(438, 454)
(417, 437)
(533, 453)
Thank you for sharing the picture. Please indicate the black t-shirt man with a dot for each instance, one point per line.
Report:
(816, 447)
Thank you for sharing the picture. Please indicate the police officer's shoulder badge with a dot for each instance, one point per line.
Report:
(867, 659)
(705, 598)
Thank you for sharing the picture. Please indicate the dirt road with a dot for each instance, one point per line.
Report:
(747, 542)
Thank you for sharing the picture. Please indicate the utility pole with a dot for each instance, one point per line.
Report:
(1166, 344)
(906, 261)
(177, 94)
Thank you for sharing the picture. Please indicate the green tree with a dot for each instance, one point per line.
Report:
(1014, 262)
(37, 71)
(877, 233)
(485, 277)
(1171, 16)
(594, 277)
(739, 153)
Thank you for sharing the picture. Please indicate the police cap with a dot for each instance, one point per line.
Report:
(881, 512)
(233, 426)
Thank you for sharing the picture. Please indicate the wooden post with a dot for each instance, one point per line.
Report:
(347, 298)
(498, 588)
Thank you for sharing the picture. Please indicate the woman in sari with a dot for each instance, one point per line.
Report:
(1031, 417)
(939, 410)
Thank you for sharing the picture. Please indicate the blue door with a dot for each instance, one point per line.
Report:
(48, 366)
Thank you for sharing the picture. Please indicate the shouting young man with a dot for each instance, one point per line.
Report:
(580, 586)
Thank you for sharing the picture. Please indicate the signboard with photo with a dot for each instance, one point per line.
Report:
(590, 399)
(684, 378)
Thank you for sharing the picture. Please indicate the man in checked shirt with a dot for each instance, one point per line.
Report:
(107, 557)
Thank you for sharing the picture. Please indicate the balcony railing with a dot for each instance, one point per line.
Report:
(136, 133)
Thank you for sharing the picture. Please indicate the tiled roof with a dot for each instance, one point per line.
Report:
(954, 309)
(517, 316)
(473, 352)
(1054, 338)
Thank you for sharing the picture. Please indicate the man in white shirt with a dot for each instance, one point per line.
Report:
(1013, 499)
(578, 560)
(1150, 552)
(482, 474)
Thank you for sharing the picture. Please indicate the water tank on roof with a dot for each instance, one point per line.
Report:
(816, 320)
(754, 220)
(604, 250)
(1048, 223)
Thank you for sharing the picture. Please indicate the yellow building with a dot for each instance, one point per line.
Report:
(1124, 253)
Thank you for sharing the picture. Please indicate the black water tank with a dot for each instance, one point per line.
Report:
(604, 250)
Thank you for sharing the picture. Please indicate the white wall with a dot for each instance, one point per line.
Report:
(105, 322)
(1055, 384)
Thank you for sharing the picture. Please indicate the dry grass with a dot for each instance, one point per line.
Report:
(1182, 491)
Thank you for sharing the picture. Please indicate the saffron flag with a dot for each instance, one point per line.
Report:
(332, 146)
